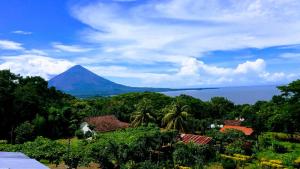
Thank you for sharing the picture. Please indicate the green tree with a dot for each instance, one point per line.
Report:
(192, 155)
(219, 106)
(144, 113)
(73, 157)
(8, 83)
(176, 117)
(24, 132)
(100, 154)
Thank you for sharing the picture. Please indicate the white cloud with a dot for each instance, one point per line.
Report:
(36, 51)
(70, 48)
(22, 32)
(188, 27)
(193, 73)
(34, 65)
(10, 45)
(176, 33)
(256, 66)
(180, 32)
(273, 77)
(290, 56)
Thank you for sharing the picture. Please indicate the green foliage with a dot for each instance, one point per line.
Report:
(42, 148)
(79, 134)
(144, 113)
(24, 132)
(220, 106)
(25, 102)
(148, 165)
(176, 116)
(236, 147)
(73, 157)
(192, 155)
(278, 148)
(231, 135)
(228, 164)
(275, 149)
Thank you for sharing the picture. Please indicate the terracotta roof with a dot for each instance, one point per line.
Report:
(232, 122)
(247, 131)
(186, 138)
(106, 123)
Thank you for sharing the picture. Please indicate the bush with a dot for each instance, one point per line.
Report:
(79, 134)
(191, 154)
(228, 164)
(9, 147)
(235, 147)
(73, 157)
(88, 134)
(24, 132)
(44, 149)
(264, 141)
(148, 165)
(279, 148)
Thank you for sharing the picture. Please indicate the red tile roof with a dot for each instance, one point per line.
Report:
(232, 122)
(186, 138)
(247, 131)
(106, 123)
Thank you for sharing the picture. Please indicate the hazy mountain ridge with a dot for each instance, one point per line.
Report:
(79, 81)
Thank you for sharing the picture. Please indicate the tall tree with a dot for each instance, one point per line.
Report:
(220, 106)
(8, 83)
(176, 117)
(144, 113)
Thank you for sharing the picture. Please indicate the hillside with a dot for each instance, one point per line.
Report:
(79, 81)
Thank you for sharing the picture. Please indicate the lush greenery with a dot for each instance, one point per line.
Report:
(38, 121)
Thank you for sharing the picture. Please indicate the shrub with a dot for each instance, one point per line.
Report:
(148, 165)
(73, 157)
(235, 147)
(43, 148)
(9, 147)
(24, 132)
(88, 134)
(297, 163)
(264, 141)
(228, 164)
(279, 148)
(191, 154)
(79, 134)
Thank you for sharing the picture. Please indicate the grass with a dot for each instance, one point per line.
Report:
(74, 141)
(214, 166)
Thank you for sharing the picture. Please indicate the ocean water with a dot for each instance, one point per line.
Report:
(238, 95)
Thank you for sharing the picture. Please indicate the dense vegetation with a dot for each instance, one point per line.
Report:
(29, 108)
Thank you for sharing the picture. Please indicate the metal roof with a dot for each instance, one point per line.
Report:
(17, 160)
(186, 138)
(247, 131)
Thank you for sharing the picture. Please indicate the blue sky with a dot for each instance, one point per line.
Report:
(159, 43)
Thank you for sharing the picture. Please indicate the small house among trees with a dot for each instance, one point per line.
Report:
(186, 138)
(232, 122)
(106, 123)
(247, 131)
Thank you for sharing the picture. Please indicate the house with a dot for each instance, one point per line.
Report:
(85, 128)
(106, 123)
(247, 131)
(232, 122)
(17, 160)
(212, 126)
(198, 139)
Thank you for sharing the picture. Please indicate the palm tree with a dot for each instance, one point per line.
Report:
(143, 114)
(176, 117)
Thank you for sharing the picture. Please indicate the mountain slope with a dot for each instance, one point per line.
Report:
(79, 81)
